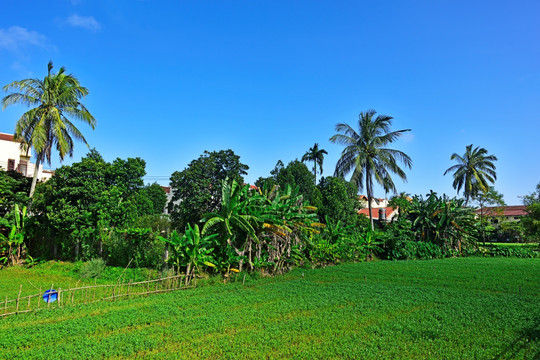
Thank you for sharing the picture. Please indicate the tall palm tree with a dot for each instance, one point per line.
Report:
(473, 171)
(367, 156)
(53, 101)
(317, 156)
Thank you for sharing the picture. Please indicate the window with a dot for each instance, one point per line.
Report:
(11, 165)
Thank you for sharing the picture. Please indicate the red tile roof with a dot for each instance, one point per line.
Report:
(375, 212)
(515, 210)
(7, 137)
(167, 189)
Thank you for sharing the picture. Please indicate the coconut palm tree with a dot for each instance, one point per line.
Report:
(473, 171)
(53, 101)
(367, 156)
(317, 156)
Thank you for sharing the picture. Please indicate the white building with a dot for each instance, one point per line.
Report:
(15, 157)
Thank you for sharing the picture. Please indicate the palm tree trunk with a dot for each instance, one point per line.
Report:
(369, 191)
(370, 214)
(315, 170)
(34, 179)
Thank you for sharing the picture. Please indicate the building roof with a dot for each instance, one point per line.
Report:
(375, 212)
(514, 210)
(167, 189)
(7, 137)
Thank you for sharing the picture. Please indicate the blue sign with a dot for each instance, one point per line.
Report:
(50, 296)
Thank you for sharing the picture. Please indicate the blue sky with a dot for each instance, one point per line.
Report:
(170, 79)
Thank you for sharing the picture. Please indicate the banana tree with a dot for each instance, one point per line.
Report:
(283, 220)
(12, 245)
(191, 250)
(233, 221)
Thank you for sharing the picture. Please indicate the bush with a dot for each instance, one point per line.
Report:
(93, 268)
(507, 251)
(134, 247)
(414, 250)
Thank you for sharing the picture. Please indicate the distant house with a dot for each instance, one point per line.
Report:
(16, 157)
(375, 202)
(385, 213)
(379, 209)
(169, 198)
(499, 213)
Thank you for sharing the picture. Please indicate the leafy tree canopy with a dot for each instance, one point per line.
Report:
(296, 173)
(81, 200)
(197, 188)
(339, 201)
(531, 222)
(13, 190)
(156, 194)
(533, 197)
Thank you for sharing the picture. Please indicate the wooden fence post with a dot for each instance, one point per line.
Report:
(18, 299)
(49, 296)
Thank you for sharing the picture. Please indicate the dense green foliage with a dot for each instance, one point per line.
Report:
(296, 174)
(157, 196)
(14, 189)
(197, 189)
(77, 210)
(433, 227)
(338, 200)
(531, 222)
(465, 308)
(12, 232)
(47, 125)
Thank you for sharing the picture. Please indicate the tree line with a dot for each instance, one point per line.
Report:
(95, 208)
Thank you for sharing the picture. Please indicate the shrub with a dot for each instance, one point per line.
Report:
(507, 251)
(93, 268)
(415, 250)
(134, 246)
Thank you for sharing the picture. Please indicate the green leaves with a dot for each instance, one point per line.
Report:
(191, 250)
(56, 97)
(366, 154)
(197, 189)
(81, 200)
(442, 220)
(12, 245)
(473, 171)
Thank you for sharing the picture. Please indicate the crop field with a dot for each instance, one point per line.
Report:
(458, 308)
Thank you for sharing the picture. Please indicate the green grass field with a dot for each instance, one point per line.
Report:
(458, 308)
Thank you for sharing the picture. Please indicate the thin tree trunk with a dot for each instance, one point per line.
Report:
(370, 214)
(369, 191)
(34, 179)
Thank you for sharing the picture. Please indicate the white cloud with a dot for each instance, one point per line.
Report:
(16, 38)
(85, 22)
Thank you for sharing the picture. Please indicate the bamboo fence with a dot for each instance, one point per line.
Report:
(87, 294)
